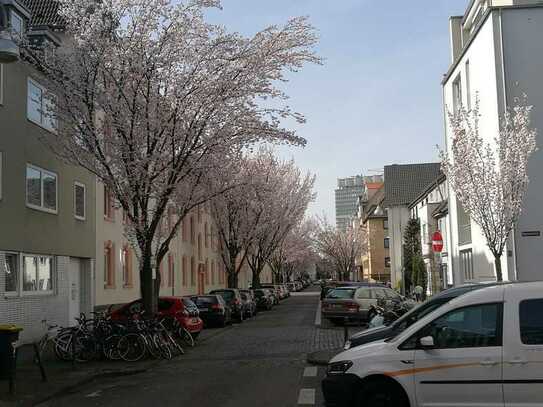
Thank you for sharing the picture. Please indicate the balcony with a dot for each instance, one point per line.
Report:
(464, 234)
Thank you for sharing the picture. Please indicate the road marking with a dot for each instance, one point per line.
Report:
(318, 315)
(310, 371)
(306, 397)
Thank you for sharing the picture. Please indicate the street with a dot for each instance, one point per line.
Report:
(261, 361)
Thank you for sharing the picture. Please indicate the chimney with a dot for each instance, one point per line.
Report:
(455, 33)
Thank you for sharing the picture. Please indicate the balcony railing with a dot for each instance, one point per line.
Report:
(464, 234)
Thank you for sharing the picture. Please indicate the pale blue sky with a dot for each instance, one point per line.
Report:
(377, 98)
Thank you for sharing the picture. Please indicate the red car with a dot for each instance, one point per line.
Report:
(182, 309)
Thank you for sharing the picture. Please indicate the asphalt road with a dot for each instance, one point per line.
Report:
(259, 362)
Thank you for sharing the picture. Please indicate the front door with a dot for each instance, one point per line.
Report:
(74, 300)
(523, 347)
(464, 366)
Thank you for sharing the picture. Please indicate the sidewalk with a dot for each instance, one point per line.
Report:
(62, 377)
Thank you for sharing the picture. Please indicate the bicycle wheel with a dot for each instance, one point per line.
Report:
(186, 337)
(84, 347)
(111, 347)
(163, 346)
(131, 347)
(176, 346)
(63, 345)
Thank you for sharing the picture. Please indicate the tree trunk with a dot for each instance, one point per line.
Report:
(498, 266)
(149, 299)
(232, 280)
(256, 280)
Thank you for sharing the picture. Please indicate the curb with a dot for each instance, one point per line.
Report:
(321, 358)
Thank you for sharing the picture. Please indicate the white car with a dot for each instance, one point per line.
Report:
(482, 349)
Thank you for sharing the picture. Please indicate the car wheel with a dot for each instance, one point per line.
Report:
(381, 394)
(223, 322)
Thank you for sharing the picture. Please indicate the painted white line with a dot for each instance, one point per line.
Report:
(306, 397)
(310, 371)
(318, 315)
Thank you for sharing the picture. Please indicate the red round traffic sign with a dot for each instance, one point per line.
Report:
(437, 242)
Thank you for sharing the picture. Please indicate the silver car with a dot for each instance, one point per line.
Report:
(356, 303)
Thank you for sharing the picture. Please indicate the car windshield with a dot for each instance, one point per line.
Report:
(189, 304)
(205, 301)
(341, 293)
(227, 295)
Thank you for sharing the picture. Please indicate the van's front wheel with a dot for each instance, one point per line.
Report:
(381, 394)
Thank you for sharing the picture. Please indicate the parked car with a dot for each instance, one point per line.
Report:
(356, 303)
(182, 309)
(482, 348)
(232, 297)
(386, 332)
(276, 291)
(264, 299)
(213, 309)
(250, 303)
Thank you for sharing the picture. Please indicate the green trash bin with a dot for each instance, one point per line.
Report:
(9, 334)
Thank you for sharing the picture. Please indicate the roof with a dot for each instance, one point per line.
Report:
(376, 200)
(44, 13)
(405, 182)
(429, 188)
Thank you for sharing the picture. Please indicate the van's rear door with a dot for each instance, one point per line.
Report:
(523, 345)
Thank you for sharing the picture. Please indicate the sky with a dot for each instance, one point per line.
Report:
(376, 100)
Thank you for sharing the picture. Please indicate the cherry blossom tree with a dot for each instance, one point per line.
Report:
(268, 198)
(151, 98)
(295, 252)
(490, 178)
(341, 247)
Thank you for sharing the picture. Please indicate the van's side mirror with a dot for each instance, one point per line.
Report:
(427, 342)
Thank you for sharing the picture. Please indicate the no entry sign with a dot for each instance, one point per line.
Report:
(437, 242)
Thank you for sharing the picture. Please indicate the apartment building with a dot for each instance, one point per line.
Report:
(376, 260)
(403, 183)
(431, 208)
(497, 56)
(47, 224)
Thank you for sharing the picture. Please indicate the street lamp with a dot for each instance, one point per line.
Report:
(9, 51)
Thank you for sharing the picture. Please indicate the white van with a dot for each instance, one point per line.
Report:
(484, 348)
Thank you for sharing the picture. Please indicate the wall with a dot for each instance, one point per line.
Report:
(398, 216)
(377, 252)
(483, 57)
(523, 63)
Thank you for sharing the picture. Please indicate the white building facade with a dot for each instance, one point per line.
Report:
(497, 56)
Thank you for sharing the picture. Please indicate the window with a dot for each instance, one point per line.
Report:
(184, 229)
(385, 224)
(206, 235)
(109, 208)
(109, 265)
(11, 271)
(466, 264)
(41, 189)
(16, 23)
(199, 246)
(386, 242)
(457, 94)
(192, 272)
(37, 274)
(192, 231)
(531, 321)
(363, 293)
(127, 266)
(212, 271)
(41, 106)
(80, 193)
(171, 271)
(184, 270)
(387, 262)
(206, 271)
(469, 327)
